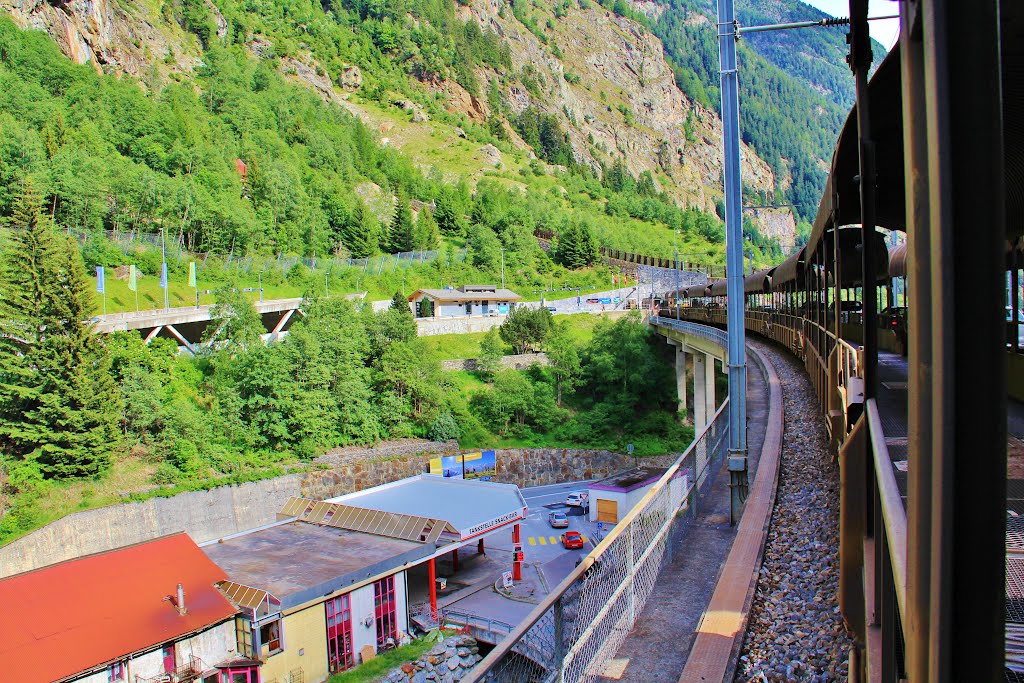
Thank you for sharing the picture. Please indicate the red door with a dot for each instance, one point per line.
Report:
(168, 652)
(385, 609)
(339, 633)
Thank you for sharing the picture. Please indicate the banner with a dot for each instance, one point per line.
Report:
(101, 281)
(133, 283)
(163, 275)
(448, 466)
(480, 466)
(192, 274)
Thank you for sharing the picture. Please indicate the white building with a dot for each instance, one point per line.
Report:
(467, 300)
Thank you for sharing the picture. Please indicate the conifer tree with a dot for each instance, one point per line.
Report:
(59, 405)
(426, 232)
(360, 233)
(401, 233)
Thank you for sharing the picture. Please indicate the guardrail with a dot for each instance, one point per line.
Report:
(578, 627)
(713, 333)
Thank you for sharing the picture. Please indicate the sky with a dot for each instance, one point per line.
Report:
(885, 32)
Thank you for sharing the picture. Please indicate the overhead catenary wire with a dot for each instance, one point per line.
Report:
(828, 21)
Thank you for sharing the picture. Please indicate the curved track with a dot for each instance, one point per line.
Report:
(795, 631)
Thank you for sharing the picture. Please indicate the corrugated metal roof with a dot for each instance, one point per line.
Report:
(456, 295)
(76, 615)
(370, 521)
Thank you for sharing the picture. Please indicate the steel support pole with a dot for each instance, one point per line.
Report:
(967, 222)
(860, 63)
(727, 28)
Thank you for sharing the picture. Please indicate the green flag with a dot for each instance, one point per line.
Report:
(132, 283)
(192, 274)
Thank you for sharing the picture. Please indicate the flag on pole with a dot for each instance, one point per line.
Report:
(163, 276)
(133, 282)
(101, 282)
(192, 274)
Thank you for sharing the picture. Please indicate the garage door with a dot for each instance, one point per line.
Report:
(608, 511)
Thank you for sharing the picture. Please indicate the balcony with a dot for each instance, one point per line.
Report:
(185, 673)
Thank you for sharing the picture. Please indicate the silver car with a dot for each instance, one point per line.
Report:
(558, 520)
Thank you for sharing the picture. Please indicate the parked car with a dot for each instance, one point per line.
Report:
(558, 520)
(578, 499)
(572, 540)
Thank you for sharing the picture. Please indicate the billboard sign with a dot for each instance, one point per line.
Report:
(447, 466)
(480, 466)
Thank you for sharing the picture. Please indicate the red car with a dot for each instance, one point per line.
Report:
(572, 540)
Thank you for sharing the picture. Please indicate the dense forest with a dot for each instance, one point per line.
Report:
(77, 406)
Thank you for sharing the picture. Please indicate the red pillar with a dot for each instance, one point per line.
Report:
(480, 547)
(517, 555)
(455, 560)
(432, 578)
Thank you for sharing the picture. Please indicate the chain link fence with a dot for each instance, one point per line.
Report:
(570, 636)
(383, 263)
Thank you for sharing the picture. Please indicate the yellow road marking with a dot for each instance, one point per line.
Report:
(532, 542)
(583, 537)
(553, 541)
(543, 541)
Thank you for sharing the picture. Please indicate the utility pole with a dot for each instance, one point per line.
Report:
(502, 250)
(163, 268)
(729, 32)
(727, 35)
(675, 251)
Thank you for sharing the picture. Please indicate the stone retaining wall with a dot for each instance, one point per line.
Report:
(206, 515)
(519, 361)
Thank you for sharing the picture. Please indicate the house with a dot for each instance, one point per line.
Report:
(144, 613)
(333, 579)
(464, 301)
(613, 497)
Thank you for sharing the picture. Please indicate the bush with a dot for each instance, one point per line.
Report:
(444, 428)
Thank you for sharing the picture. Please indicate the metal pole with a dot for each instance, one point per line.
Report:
(503, 268)
(676, 252)
(727, 35)
(860, 62)
(167, 278)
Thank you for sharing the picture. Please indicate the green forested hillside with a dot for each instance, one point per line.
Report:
(795, 89)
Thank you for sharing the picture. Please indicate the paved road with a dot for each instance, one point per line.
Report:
(555, 561)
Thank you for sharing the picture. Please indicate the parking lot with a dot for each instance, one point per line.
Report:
(540, 540)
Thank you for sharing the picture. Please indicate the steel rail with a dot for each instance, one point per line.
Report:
(894, 516)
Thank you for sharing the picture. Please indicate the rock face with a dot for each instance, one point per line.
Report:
(616, 96)
(449, 660)
(123, 37)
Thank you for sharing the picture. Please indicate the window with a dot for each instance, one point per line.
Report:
(384, 608)
(339, 633)
(116, 672)
(243, 637)
(270, 637)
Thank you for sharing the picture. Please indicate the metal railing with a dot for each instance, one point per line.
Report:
(570, 636)
(712, 333)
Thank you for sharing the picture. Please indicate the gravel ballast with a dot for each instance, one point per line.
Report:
(796, 632)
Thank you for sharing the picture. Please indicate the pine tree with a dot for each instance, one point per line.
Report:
(401, 233)
(59, 405)
(448, 214)
(360, 233)
(426, 231)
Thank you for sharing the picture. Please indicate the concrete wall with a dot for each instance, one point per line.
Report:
(518, 361)
(206, 515)
(457, 325)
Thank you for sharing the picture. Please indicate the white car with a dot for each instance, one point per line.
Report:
(578, 499)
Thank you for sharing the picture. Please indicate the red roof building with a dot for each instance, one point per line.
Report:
(117, 614)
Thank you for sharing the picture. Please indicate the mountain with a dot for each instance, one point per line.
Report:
(795, 88)
(461, 90)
